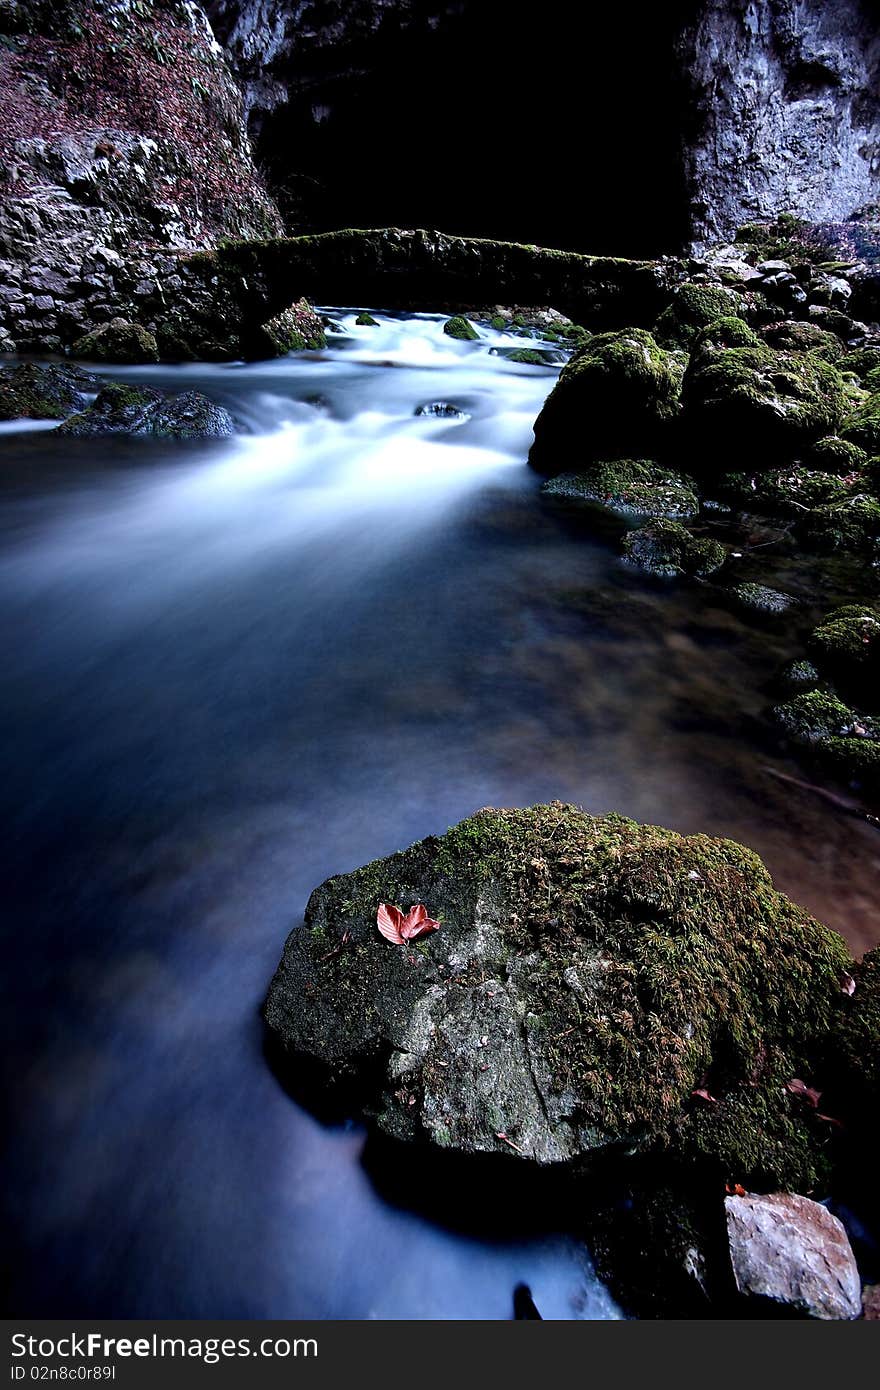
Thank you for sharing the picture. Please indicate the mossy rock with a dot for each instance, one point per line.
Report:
(836, 455)
(631, 487)
(693, 307)
(815, 717)
(50, 392)
(667, 549)
(122, 409)
(588, 976)
(498, 323)
(846, 646)
(118, 341)
(530, 357)
(851, 524)
(862, 361)
(759, 598)
(725, 332)
(366, 320)
(297, 329)
(797, 677)
(796, 336)
(460, 328)
(760, 403)
(862, 427)
(612, 398)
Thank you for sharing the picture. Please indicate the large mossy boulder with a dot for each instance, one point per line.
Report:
(118, 341)
(613, 398)
(595, 987)
(760, 404)
(631, 487)
(49, 392)
(122, 409)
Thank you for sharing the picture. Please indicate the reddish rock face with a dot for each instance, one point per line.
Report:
(793, 1251)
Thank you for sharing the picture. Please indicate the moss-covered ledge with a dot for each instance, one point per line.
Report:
(418, 269)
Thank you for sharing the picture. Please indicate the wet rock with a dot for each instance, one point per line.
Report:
(798, 677)
(614, 396)
(804, 337)
(120, 409)
(667, 549)
(862, 427)
(850, 524)
(587, 977)
(758, 598)
(460, 328)
(297, 329)
(531, 357)
(632, 487)
(793, 1251)
(726, 332)
(846, 645)
(441, 409)
(366, 320)
(48, 392)
(118, 341)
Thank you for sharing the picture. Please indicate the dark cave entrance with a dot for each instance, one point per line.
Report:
(560, 126)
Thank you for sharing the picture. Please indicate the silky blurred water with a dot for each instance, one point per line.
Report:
(232, 669)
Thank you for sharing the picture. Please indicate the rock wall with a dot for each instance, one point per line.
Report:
(785, 98)
(122, 139)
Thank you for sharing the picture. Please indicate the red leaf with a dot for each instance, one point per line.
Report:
(800, 1088)
(399, 929)
(703, 1094)
(737, 1190)
(417, 923)
(389, 920)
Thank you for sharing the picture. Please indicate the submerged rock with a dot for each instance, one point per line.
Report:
(614, 396)
(633, 487)
(120, 409)
(667, 549)
(589, 976)
(50, 392)
(118, 341)
(790, 1250)
(441, 409)
(758, 598)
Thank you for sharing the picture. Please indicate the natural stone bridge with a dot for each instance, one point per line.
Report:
(232, 291)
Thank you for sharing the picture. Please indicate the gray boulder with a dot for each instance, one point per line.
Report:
(791, 1250)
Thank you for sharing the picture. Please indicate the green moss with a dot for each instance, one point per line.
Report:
(798, 677)
(297, 329)
(846, 646)
(796, 336)
(761, 403)
(814, 717)
(758, 598)
(612, 397)
(655, 962)
(725, 332)
(117, 341)
(862, 427)
(861, 361)
(47, 392)
(529, 357)
(366, 320)
(693, 307)
(498, 323)
(637, 487)
(835, 455)
(851, 524)
(666, 548)
(787, 491)
(460, 328)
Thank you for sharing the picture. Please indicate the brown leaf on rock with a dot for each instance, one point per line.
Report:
(399, 928)
(800, 1088)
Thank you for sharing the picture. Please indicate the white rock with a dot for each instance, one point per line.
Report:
(789, 1249)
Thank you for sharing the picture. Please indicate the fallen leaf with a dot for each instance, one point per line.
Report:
(397, 928)
(703, 1094)
(847, 983)
(737, 1190)
(800, 1088)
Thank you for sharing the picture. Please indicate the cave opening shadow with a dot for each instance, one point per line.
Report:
(562, 126)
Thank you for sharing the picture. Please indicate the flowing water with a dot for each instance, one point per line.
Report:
(232, 669)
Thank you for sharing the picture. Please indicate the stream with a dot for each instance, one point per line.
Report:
(234, 668)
